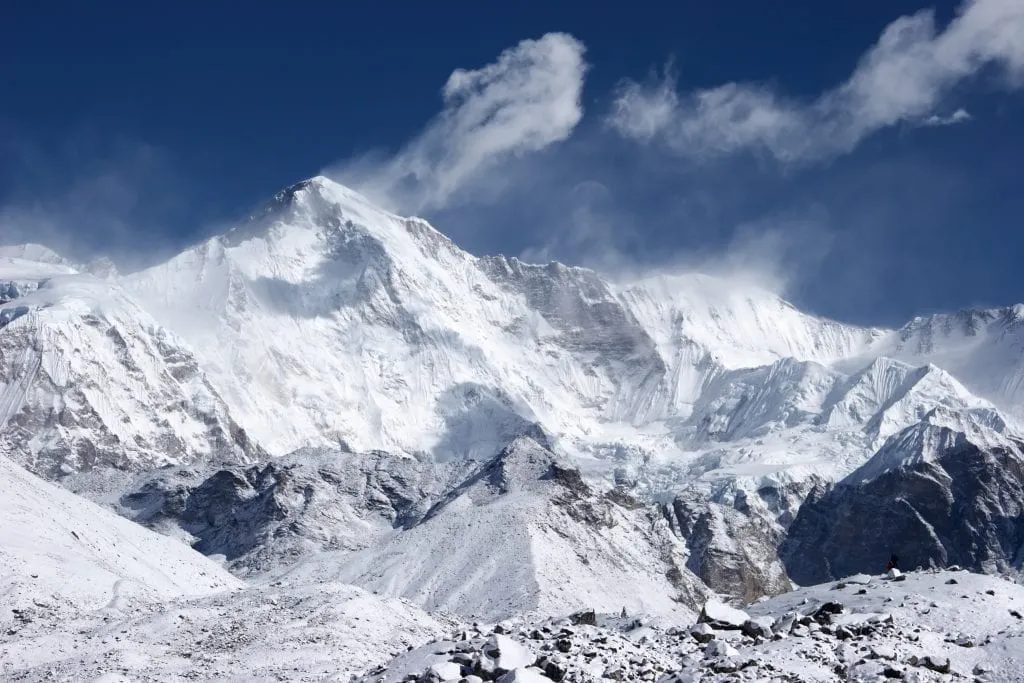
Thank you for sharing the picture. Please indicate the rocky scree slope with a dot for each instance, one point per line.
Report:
(928, 626)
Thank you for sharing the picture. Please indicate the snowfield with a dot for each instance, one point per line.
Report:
(322, 632)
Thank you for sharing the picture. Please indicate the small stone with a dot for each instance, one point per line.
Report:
(727, 665)
(933, 662)
(966, 641)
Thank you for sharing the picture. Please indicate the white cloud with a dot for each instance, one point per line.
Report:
(959, 116)
(525, 101)
(901, 79)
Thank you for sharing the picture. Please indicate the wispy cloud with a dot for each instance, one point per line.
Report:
(526, 100)
(903, 78)
(959, 116)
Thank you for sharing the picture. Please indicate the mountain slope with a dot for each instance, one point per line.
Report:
(60, 553)
(325, 320)
(88, 379)
(933, 495)
(524, 534)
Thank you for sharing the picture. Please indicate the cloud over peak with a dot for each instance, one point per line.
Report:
(903, 78)
(526, 100)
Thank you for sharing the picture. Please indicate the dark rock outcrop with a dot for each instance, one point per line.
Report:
(964, 507)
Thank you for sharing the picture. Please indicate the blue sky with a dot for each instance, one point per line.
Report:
(863, 158)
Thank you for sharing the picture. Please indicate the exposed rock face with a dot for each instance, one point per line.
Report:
(262, 516)
(732, 551)
(964, 506)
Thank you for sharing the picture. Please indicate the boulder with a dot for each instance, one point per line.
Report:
(445, 671)
(508, 654)
(523, 675)
(587, 617)
(702, 633)
(719, 648)
(934, 662)
(722, 616)
(758, 627)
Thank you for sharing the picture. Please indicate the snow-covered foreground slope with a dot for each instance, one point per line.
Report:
(924, 627)
(322, 632)
(88, 379)
(60, 553)
(89, 595)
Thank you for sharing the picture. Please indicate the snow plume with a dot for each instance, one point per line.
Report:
(525, 101)
(903, 78)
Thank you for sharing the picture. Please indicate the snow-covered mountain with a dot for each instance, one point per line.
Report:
(88, 379)
(329, 394)
(325, 322)
(941, 492)
(325, 325)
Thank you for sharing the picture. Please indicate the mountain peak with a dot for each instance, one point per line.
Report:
(30, 251)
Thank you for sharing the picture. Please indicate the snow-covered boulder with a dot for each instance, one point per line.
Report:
(508, 654)
(702, 633)
(524, 675)
(720, 648)
(720, 615)
(445, 671)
